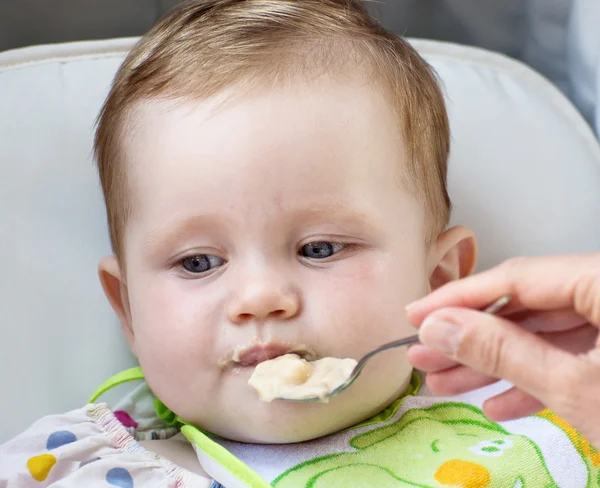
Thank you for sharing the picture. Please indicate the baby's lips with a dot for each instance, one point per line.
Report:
(258, 353)
(255, 353)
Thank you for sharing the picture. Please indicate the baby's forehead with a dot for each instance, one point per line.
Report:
(278, 145)
(317, 104)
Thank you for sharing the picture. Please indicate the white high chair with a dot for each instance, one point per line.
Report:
(524, 174)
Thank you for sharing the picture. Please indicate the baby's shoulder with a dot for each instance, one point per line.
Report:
(89, 444)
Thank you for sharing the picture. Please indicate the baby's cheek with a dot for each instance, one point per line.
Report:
(163, 324)
(354, 306)
(370, 301)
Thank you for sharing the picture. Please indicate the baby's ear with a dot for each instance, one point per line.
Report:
(452, 256)
(115, 289)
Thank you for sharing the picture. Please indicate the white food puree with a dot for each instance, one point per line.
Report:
(292, 377)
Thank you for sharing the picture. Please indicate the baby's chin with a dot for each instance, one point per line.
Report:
(281, 422)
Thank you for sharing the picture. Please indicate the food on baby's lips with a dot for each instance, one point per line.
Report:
(257, 352)
(294, 378)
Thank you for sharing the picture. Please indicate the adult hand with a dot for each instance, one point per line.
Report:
(546, 342)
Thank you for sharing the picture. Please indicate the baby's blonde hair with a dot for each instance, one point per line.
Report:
(203, 47)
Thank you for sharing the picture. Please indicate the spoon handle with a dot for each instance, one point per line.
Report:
(407, 341)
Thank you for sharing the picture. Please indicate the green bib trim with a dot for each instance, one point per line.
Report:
(131, 374)
(222, 456)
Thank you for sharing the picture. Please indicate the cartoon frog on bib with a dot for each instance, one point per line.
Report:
(445, 445)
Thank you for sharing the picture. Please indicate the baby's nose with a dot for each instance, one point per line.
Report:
(264, 299)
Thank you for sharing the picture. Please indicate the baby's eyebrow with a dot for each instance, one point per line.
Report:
(336, 212)
(161, 236)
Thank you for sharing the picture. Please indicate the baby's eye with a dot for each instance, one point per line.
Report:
(321, 249)
(201, 263)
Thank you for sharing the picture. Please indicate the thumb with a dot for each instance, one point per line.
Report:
(496, 347)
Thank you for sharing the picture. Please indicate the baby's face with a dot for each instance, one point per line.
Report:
(273, 221)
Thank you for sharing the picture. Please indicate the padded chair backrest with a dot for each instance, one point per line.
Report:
(524, 173)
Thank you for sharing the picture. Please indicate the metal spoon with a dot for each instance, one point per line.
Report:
(407, 341)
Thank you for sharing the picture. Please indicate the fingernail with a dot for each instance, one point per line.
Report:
(441, 335)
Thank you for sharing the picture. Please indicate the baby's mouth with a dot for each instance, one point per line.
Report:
(257, 352)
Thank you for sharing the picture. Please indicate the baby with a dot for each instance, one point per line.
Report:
(274, 174)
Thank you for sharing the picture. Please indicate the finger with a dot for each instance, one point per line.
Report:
(547, 321)
(511, 404)
(495, 347)
(457, 380)
(544, 283)
(428, 360)
(576, 341)
(447, 377)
